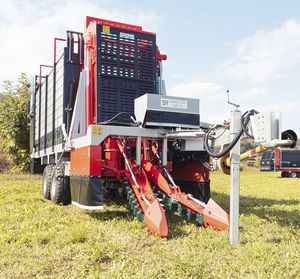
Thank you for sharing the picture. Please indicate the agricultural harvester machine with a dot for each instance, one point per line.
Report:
(101, 122)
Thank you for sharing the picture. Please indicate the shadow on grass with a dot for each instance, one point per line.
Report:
(112, 214)
(262, 207)
(175, 222)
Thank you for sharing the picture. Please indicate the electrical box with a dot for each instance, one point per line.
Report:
(167, 111)
(192, 144)
(266, 126)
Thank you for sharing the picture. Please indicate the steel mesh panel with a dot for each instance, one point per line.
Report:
(126, 70)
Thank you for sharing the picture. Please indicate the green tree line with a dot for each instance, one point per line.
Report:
(14, 133)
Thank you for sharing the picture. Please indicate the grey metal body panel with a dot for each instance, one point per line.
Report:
(108, 130)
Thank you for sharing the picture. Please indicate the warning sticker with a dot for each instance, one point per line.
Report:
(96, 131)
(106, 29)
(173, 103)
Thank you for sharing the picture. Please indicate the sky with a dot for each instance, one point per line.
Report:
(251, 48)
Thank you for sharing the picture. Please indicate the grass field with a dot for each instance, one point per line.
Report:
(41, 240)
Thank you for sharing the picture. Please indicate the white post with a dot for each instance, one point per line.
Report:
(235, 125)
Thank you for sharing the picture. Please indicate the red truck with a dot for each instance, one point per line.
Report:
(288, 162)
(285, 160)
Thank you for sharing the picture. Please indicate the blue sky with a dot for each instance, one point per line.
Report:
(249, 47)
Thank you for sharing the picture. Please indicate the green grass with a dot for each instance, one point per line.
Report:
(41, 240)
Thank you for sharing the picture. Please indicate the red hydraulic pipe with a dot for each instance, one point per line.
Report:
(55, 46)
(55, 40)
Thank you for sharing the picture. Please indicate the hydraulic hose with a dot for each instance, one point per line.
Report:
(244, 124)
(251, 112)
(114, 121)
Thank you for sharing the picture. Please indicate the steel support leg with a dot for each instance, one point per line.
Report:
(235, 125)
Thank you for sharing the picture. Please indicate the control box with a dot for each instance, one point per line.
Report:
(266, 126)
(167, 111)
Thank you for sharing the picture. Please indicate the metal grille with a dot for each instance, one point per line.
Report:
(126, 64)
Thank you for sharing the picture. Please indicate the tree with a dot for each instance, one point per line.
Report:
(14, 133)
(247, 144)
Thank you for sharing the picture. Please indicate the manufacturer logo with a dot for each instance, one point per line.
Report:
(126, 35)
(173, 103)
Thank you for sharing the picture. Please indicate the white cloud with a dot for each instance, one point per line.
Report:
(195, 89)
(212, 97)
(254, 77)
(27, 28)
(266, 54)
(253, 93)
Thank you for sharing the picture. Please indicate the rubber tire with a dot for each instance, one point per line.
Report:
(293, 175)
(284, 174)
(60, 186)
(46, 181)
(36, 166)
(114, 194)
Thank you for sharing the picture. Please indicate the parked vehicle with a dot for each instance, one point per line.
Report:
(285, 160)
(288, 162)
(267, 161)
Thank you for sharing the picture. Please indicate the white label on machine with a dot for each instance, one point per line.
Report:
(172, 103)
(126, 35)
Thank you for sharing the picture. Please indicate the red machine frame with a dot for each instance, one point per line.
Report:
(96, 158)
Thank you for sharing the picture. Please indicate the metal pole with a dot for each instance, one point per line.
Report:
(138, 150)
(165, 152)
(235, 125)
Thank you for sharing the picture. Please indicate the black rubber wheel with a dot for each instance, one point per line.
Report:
(46, 182)
(67, 191)
(284, 174)
(60, 186)
(36, 166)
(293, 175)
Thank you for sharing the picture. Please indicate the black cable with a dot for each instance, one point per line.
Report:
(121, 113)
(119, 123)
(245, 127)
(245, 122)
(224, 130)
(112, 121)
(227, 149)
